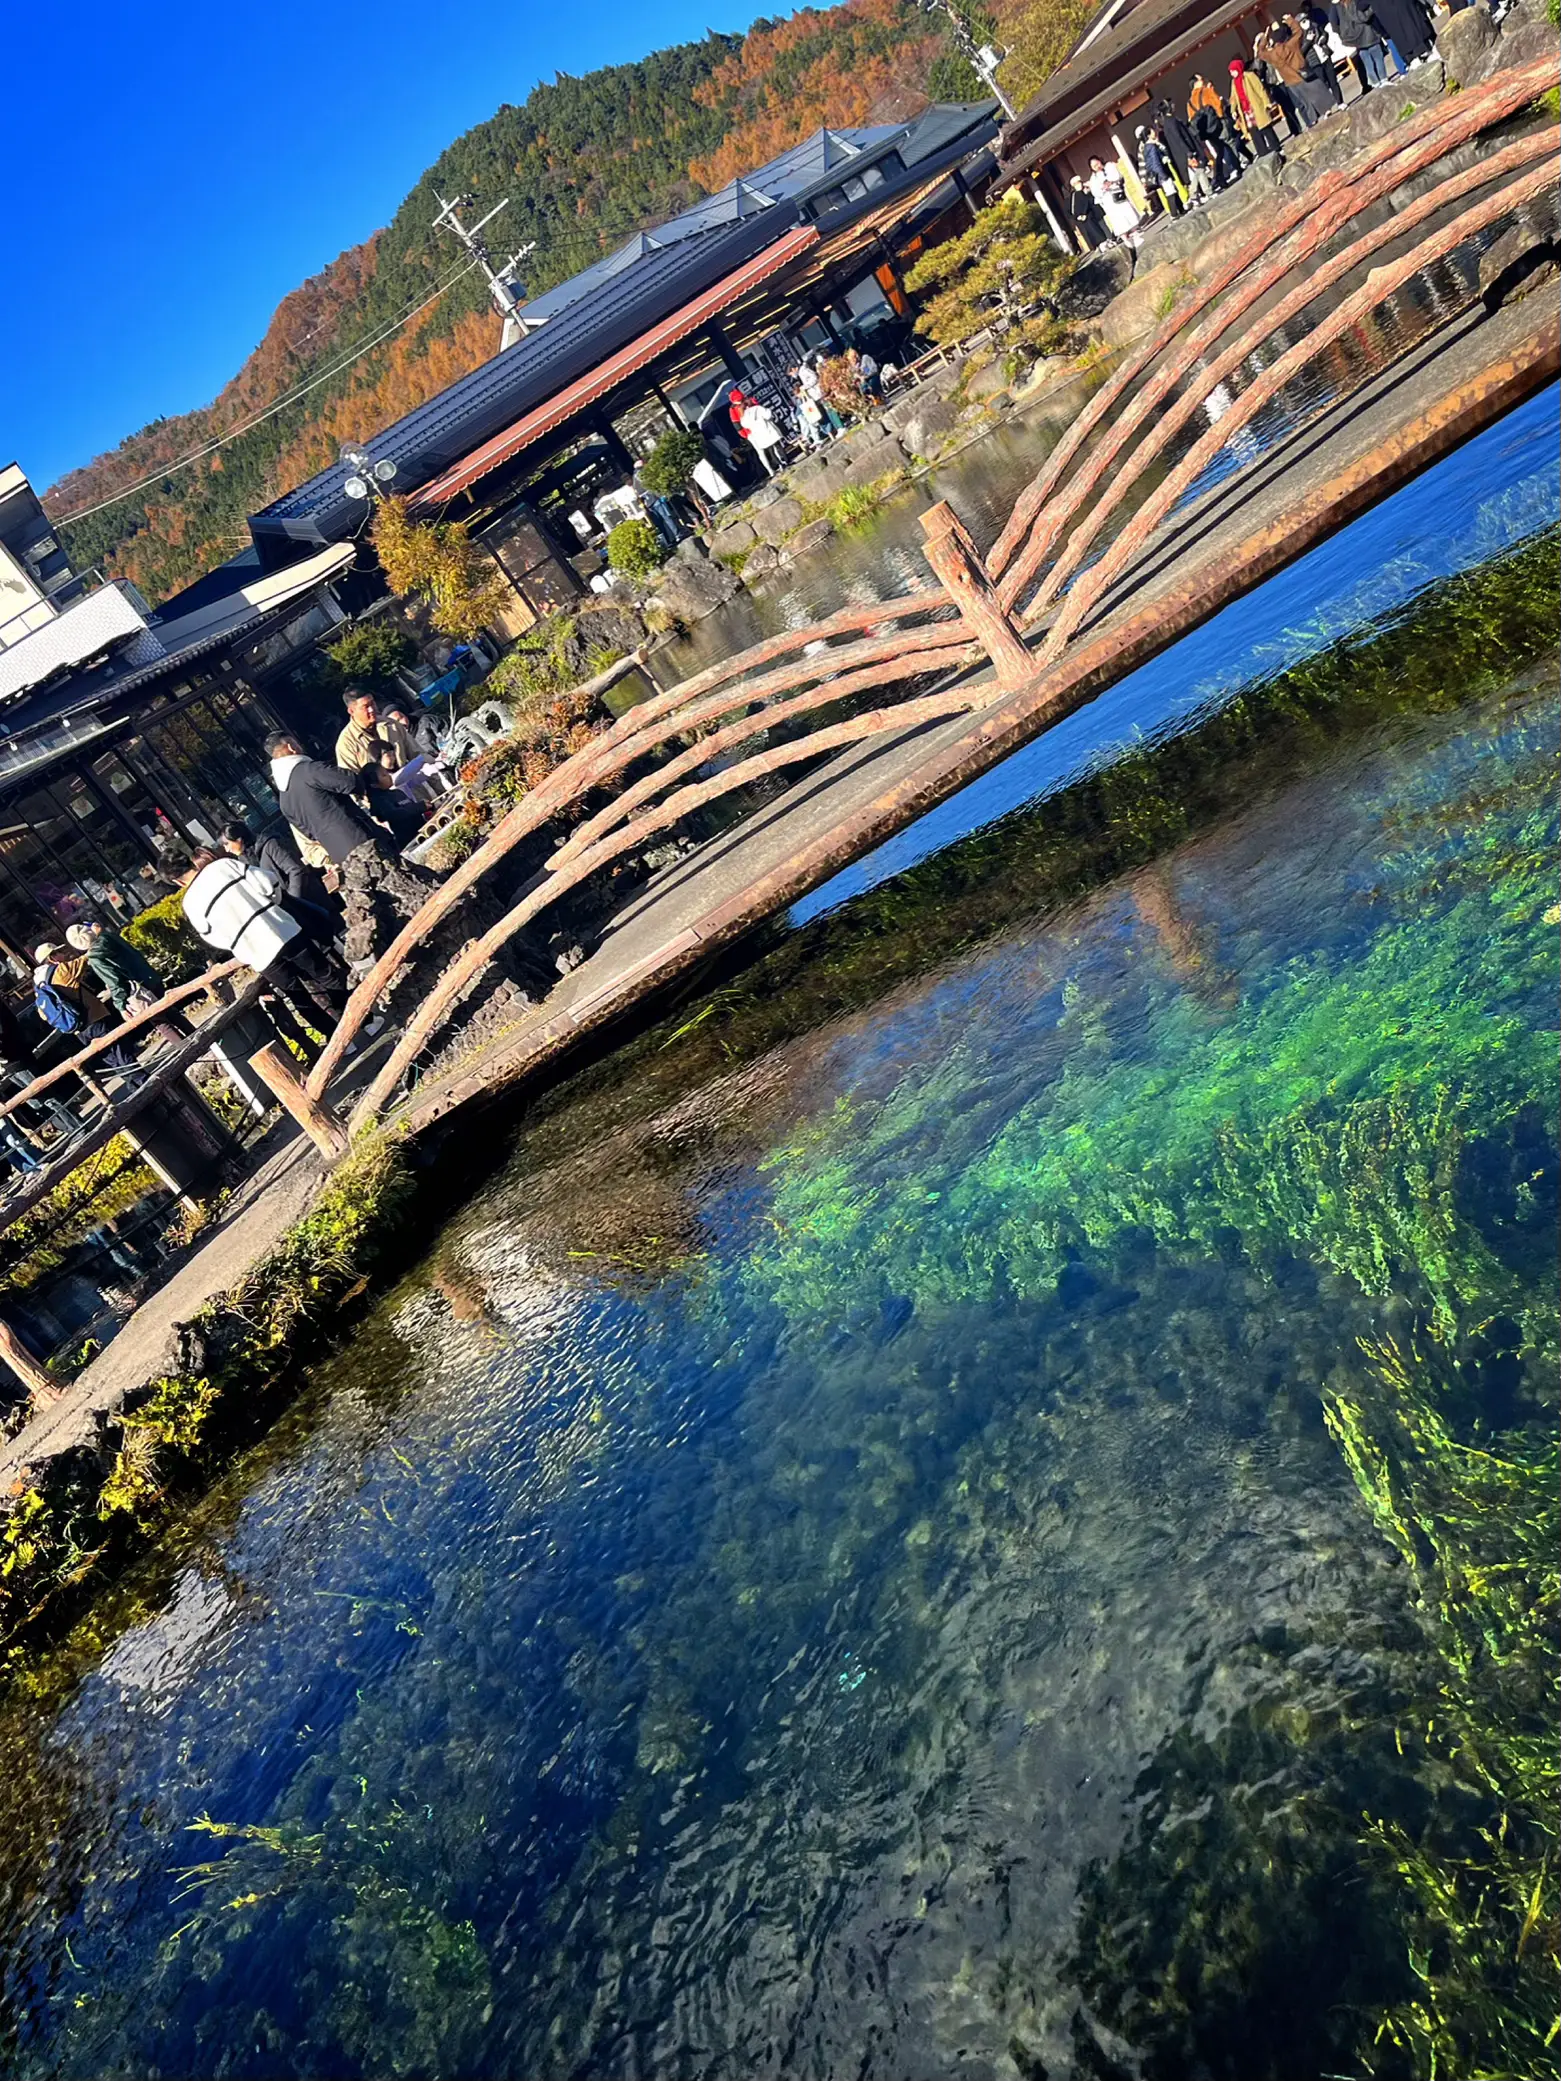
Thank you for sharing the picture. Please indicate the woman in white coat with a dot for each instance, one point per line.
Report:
(1110, 191)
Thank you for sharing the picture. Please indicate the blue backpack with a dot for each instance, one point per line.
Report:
(53, 1009)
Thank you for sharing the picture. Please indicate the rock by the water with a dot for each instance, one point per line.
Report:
(690, 591)
(764, 558)
(774, 522)
(923, 430)
(813, 536)
(1463, 40)
(1095, 281)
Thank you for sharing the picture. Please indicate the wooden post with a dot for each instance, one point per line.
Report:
(316, 1118)
(32, 1372)
(952, 556)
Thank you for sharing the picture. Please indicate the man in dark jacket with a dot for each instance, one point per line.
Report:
(279, 859)
(326, 803)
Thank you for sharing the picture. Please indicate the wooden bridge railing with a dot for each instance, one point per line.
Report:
(974, 610)
(154, 1015)
(120, 1111)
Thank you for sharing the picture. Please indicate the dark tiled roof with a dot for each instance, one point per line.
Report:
(610, 303)
(439, 433)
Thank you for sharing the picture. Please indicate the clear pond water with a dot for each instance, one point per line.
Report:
(835, 1563)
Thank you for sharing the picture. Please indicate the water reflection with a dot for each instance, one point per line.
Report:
(760, 1597)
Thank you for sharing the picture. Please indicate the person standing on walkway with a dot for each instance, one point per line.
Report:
(328, 804)
(1086, 215)
(1154, 170)
(371, 744)
(237, 909)
(1215, 131)
(1186, 153)
(810, 417)
(65, 1000)
(379, 891)
(1407, 27)
(1358, 27)
(123, 974)
(1281, 51)
(758, 423)
(1110, 191)
(1323, 53)
(279, 859)
(1251, 110)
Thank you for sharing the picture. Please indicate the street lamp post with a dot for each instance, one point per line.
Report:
(366, 478)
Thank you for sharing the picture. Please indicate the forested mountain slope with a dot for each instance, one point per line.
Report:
(585, 162)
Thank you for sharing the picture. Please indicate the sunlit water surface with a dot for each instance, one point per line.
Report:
(727, 1611)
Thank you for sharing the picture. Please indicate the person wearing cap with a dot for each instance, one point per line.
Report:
(127, 979)
(65, 1000)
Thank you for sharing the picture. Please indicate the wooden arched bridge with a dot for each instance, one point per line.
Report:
(1102, 564)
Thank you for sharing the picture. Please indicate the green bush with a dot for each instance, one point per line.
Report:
(167, 941)
(669, 468)
(371, 654)
(635, 549)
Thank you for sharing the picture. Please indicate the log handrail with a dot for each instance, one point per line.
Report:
(115, 1037)
(1316, 283)
(40, 1183)
(1381, 283)
(635, 734)
(853, 662)
(441, 999)
(1336, 208)
(1416, 144)
(623, 806)
(1490, 102)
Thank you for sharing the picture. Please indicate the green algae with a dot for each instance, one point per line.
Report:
(965, 1436)
(1329, 1110)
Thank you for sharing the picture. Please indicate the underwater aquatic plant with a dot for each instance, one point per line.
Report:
(1478, 1525)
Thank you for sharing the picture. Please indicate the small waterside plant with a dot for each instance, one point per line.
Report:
(238, 1348)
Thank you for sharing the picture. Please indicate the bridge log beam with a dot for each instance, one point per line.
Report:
(952, 555)
(313, 1115)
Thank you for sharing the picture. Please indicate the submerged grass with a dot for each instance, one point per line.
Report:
(57, 1539)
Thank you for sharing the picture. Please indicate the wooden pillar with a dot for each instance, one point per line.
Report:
(952, 556)
(34, 1375)
(314, 1116)
(731, 361)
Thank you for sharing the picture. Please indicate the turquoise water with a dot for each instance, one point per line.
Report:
(835, 1562)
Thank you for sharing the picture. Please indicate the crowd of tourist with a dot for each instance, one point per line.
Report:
(308, 910)
(1184, 155)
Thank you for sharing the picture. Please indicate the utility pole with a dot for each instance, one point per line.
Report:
(981, 57)
(507, 293)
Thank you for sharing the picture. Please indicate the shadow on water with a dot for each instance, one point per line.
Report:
(844, 1558)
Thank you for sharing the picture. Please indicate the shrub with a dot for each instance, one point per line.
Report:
(635, 549)
(161, 933)
(993, 274)
(842, 387)
(669, 467)
(371, 654)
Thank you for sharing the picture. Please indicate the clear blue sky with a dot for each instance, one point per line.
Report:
(174, 169)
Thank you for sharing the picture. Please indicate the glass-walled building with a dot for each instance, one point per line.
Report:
(129, 738)
(96, 827)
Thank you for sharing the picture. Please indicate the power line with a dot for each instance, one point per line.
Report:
(280, 405)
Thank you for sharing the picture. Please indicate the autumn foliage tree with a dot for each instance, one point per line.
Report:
(1001, 274)
(437, 563)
